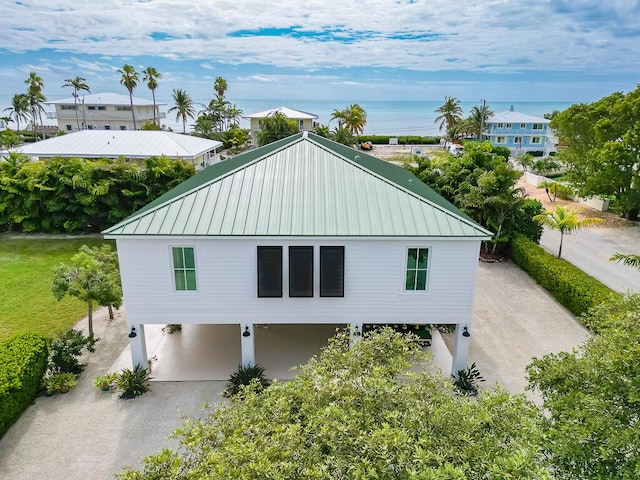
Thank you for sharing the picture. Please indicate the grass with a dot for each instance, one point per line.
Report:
(26, 269)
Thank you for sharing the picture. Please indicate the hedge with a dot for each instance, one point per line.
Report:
(23, 361)
(402, 139)
(573, 288)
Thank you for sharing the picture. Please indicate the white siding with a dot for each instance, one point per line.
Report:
(227, 277)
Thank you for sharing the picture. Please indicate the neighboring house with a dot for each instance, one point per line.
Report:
(300, 231)
(103, 111)
(306, 121)
(519, 132)
(131, 145)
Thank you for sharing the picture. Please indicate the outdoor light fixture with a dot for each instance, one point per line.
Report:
(132, 333)
(465, 332)
(246, 332)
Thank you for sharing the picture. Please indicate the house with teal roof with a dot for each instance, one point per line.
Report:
(300, 231)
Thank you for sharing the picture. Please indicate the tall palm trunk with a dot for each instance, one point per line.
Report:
(153, 95)
(560, 249)
(133, 114)
(90, 318)
(75, 103)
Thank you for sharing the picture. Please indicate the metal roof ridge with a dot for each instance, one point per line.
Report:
(471, 223)
(197, 188)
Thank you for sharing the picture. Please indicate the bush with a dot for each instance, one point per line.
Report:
(23, 361)
(559, 190)
(65, 350)
(59, 383)
(402, 139)
(467, 380)
(106, 382)
(523, 222)
(573, 288)
(246, 376)
(133, 383)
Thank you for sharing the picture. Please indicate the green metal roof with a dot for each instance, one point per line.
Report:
(303, 185)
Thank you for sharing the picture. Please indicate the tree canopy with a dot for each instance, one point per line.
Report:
(79, 84)
(129, 79)
(359, 413)
(276, 127)
(593, 397)
(602, 148)
(183, 106)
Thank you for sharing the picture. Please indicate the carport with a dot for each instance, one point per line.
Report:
(213, 352)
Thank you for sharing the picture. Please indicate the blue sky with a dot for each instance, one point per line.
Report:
(500, 50)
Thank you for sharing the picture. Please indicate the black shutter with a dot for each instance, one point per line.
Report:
(332, 271)
(301, 271)
(269, 271)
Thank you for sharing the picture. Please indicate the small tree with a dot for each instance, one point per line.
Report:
(565, 220)
(276, 127)
(92, 276)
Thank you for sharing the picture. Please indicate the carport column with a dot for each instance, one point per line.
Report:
(355, 333)
(247, 344)
(460, 349)
(138, 345)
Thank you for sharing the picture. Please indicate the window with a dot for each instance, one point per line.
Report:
(123, 109)
(500, 139)
(301, 125)
(69, 128)
(523, 125)
(508, 125)
(332, 271)
(269, 271)
(517, 140)
(67, 107)
(417, 262)
(535, 139)
(301, 271)
(123, 127)
(91, 107)
(102, 108)
(184, 268)
(501, 125)
(537, 126)
(90, 127)
(107, 127)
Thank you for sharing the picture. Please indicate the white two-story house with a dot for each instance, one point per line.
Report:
(103, 111)
(300, 231)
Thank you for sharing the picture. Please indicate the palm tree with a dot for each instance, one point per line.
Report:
(450, 113)
(19, 109)
(339, 115)
(78, 84)
(130, 81)
(478, 117)
(35, 84)
(151, 76)
(630, 260)
(183, 107)
(220, 87)
(344, 136)
(355, 119)
(565, 220)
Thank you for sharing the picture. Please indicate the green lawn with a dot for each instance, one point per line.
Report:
(26, 301)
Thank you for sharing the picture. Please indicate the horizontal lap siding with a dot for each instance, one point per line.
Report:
(227, 276)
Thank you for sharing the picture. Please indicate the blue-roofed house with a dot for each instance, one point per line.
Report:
(519, 132)
(300, 231)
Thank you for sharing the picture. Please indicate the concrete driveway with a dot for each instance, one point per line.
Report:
(90, 434)
(590, 250)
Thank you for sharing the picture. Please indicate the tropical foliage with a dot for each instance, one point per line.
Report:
(276, 127)
(151, 76)
(19, 109)
(592, 396)
(353, 118)
(602, 141)
(359, 413)
(630, 260)
(35, 99)
(73, 194)
(565, 220)
(450, 115)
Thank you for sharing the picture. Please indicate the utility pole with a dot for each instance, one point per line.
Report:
(84, 115)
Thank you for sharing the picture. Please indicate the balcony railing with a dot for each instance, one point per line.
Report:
(52, 115)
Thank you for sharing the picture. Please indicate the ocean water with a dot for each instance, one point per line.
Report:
(393, 117)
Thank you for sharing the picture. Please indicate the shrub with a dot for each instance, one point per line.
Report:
(23, 361)
(402, 139)
(59, 383)
(246, 376)
(573, 288)
(559, 190)
(106, 382)
(523, 222)
(467, 380)
(133, 383)
(65, 350)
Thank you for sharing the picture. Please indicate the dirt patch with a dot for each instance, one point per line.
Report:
(611, 220)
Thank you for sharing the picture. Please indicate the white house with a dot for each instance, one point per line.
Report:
(131, 145)
(306, 121)
(519, 132)
(103, 111)
(300, 231)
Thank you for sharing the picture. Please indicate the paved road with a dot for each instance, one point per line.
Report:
(590, 250)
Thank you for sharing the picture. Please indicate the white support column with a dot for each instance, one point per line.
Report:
(247, 344)
(355, 333)
(460, 349)
(138, 345)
